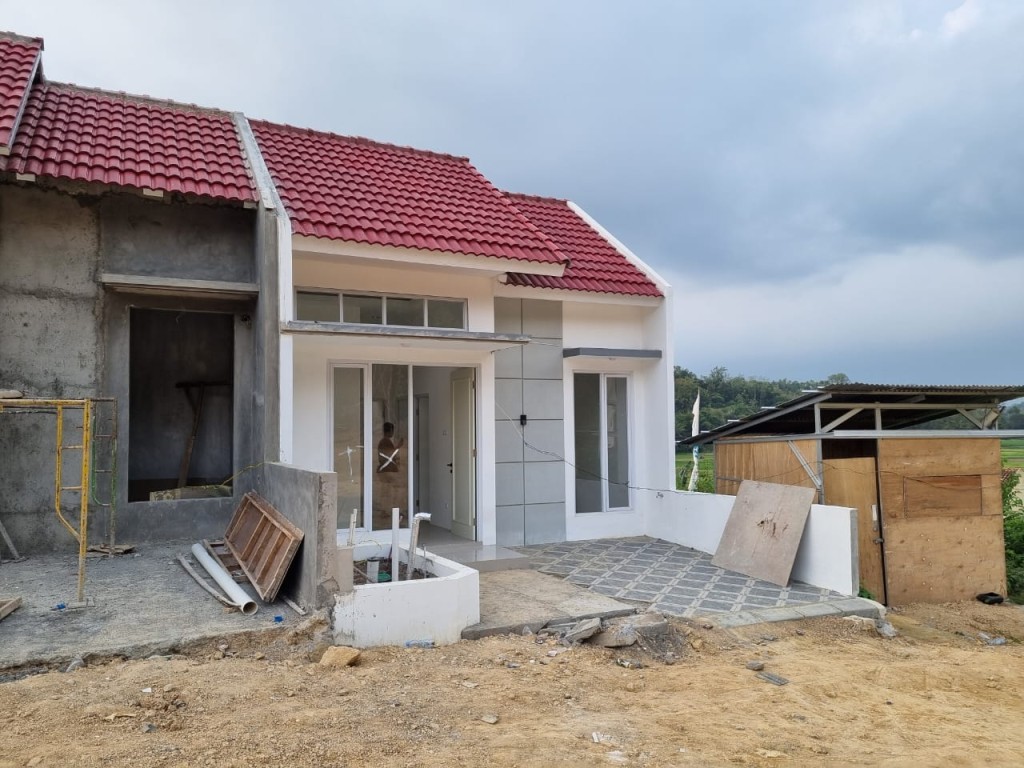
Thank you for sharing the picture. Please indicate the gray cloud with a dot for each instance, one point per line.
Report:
(763, 154)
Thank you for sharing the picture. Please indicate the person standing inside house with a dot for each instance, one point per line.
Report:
(388, 448)
(391, 486)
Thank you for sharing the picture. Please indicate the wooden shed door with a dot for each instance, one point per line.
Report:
(942, 516)
(853, 483)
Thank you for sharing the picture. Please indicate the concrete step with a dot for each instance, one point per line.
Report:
(482, 558)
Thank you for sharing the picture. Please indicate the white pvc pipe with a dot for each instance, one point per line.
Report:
(238, 596)
(394, 543)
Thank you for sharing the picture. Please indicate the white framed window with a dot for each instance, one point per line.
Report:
(380, 309)
(601, 413)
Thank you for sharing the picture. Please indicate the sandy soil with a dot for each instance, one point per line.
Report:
(935, 695)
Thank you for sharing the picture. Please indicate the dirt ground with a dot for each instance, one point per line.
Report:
(936, 695)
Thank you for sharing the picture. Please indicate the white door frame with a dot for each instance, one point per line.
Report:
(464, 453)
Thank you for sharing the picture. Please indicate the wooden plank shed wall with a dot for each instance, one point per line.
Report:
(770, 462)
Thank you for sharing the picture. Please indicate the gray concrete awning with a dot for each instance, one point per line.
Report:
(386, 336)
(173, 286)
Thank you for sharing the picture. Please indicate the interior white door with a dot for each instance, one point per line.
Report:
(464, 453)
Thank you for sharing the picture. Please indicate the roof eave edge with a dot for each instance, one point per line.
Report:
(621, 247)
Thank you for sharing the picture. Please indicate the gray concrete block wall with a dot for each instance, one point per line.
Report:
(530, 472)
(63, 335)
(308, 499)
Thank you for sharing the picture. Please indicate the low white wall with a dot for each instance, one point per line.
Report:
(826, 558)
(393, 613)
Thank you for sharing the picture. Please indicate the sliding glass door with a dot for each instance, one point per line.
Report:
(601, 415)
(370, 441)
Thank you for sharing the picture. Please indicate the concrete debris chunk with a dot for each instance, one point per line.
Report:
(757, 666)
(885, 629)
(339, 656)
(626, 630)
(990, 640)
(583, 629)
(490, 719)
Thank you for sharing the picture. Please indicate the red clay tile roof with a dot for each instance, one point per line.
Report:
(595, 266)
(95, 136)
(19, 58)
(357, 190)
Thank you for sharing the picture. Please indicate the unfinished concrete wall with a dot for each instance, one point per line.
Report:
(195, 241)
(308, 499)
(63, 335)
(530, 483)
(51, 344)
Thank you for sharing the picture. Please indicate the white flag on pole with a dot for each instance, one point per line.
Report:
(694, 431)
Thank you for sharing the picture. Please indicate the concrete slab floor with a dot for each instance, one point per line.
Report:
(680, 581)
(144, 603)
(513, 599)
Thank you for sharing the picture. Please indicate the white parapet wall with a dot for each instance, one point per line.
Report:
(827, 556)
(395, 613)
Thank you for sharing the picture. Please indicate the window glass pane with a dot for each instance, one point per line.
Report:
(405, 311)
(349, 453)
(446, 314)
(390, 434)
(587, 410)
(367, 310)
(617, 442)
(318, 307)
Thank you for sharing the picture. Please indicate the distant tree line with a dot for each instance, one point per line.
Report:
(724, 397)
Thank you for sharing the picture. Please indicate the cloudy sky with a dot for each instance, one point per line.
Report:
(830, 186)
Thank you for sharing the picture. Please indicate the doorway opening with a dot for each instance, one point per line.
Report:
(405, 436)
(180, 402)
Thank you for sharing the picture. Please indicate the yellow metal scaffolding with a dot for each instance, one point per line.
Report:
(98, 425)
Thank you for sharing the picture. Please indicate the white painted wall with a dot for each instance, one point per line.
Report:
(436, 609)
(652, 437)
(827, 556)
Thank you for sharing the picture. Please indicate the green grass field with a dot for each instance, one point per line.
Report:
(1013, 453)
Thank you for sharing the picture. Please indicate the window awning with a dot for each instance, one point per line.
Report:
(388, 336)
(611, 353)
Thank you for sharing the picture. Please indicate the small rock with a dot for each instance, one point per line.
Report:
(223, 647)
(757, 666)
(148, 727)
(158, 657)
(259, 656)
(76, 663)
(801, 632)
(490, 719)
(708, 625)
(526, 631)
(34, 761)
(218, 655)
(338, 656)
(819, 750)
(168, 688)
(696, 643)
(770, 753)
(513, 665)
(469, 684)
(147, 690)
(635, 686)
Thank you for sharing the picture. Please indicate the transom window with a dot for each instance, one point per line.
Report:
(376, 309)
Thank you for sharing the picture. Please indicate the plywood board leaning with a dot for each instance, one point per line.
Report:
(764, 530)
(264, 543)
